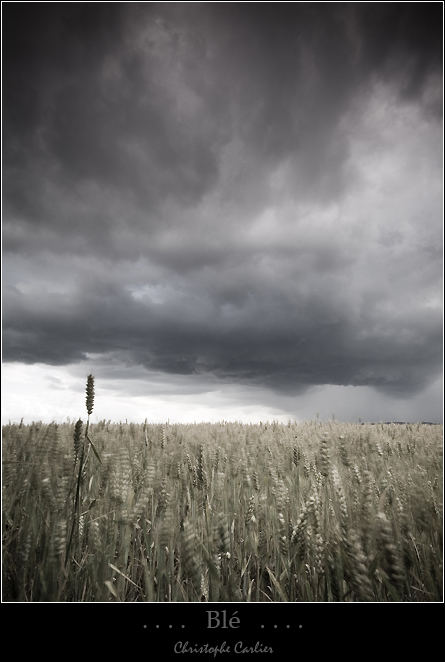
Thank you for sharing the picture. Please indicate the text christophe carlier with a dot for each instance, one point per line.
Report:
(220, 620)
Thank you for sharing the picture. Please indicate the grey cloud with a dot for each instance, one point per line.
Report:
(141, 101)
(263, 332)
(177, 187)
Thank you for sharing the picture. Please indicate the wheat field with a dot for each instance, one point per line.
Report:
(222, 512)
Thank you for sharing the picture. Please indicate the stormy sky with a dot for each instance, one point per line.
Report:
(223, 210)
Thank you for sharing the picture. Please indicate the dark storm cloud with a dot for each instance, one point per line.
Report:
(171, 181)
(141, 100)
